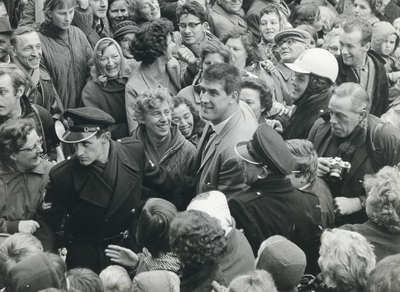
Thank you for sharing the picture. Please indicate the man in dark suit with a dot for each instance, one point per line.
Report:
(92, 197)
(231, 121)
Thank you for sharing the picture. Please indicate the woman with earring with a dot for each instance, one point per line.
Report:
(66, 51)
(106, 88)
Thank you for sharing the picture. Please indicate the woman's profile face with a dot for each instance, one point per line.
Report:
(149, 9)
(117, 12)
(239, 53)
(362, 9)
(62, 18)
(110, 62)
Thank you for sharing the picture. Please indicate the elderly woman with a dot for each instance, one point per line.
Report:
(163, 143)
(153, 236)
(23, 176)
(366, 9)
(346, 260)
(188, 119)
(66, 51)
(106, 88)
(246, 57)
(158, 69)
(198, 241)
(225, 15)
(212, 52)
(383, 210)
(118, 11)
(271, 23)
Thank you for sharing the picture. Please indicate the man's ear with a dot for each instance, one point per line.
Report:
(235, 97)
(20, 91)
(367, 46)
(13, 53)
(205, 26)
(263, 172)
(106, 137)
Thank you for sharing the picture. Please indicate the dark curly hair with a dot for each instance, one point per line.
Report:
(154, 225)
(248, 41)
(198, 122)
(151, 41)
(304, 14)
(262, 88)
(194, 8)
(197, 239)
(13, 135)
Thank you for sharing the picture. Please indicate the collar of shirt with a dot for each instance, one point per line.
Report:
(218, 128)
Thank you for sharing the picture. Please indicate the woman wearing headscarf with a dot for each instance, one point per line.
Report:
(106, 88)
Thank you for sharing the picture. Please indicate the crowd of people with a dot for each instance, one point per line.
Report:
(199, 146)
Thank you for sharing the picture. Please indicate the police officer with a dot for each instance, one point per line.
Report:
(272, 206)
(95, 193)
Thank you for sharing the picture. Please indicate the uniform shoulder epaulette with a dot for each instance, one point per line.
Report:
(127, 140)
(248, 196)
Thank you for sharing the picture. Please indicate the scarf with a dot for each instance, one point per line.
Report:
(347, 146)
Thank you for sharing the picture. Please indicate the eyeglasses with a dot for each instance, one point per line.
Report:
(289, 41)
(37, 145)
(191, 25)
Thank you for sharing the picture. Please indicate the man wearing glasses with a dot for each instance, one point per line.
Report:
(193, 27)
(290, 43)
(14, 104)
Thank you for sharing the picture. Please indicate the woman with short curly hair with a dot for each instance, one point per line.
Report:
(199, 243)
(383, 210)
(158, 69)
(346, 260)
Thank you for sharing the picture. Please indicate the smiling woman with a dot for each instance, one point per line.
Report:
(21, 166)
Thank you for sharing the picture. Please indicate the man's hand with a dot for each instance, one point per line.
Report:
(122, 256)
(275, 124)
(268, 66)
(280, 108)
(28, 226)
(323, 166)
(346, 206)
(187, 56)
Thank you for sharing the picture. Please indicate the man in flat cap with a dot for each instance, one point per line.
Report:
(95, 193)
(5, 34)
(272, 206)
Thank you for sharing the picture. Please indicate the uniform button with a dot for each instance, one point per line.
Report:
(118, 140)
(133, 211)
(208, 183)
(258, 193)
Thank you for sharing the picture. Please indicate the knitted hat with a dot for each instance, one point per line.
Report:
(284, 260)
(213, 203)
(125, 27)
(33, 274)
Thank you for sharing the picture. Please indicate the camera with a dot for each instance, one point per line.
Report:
(338, 168)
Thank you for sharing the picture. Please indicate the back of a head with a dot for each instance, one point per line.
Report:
(85, 280)
(156, 281)
(254, 281)
(115, 279)
(154, 222)
(17, 247)
(33, 273)
(359, 24)
(385, 276)
(284, 260)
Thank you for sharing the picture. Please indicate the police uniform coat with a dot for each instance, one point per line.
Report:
(381, 148)
(274, 207)
(218, 168)
(94, 209)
